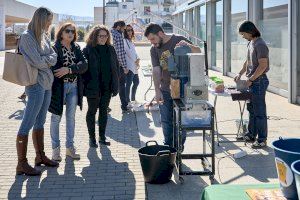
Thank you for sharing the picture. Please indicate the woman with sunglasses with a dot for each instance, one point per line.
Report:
(133, 64)
(101, 80)
(67, 88)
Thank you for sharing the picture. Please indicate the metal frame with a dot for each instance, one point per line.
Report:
(209, 168)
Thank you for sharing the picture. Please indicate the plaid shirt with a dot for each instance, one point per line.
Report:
(119, 47)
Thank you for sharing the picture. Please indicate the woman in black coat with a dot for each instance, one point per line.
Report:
(100, 81)
(67, 88)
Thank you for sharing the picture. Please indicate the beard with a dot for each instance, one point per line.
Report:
(160, 43)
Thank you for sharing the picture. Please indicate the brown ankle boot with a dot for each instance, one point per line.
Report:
(23, 167)
(38, 142)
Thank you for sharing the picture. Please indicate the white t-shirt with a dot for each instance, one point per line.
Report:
(131, 55)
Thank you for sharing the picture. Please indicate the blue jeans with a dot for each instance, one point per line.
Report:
(166, 115)
(257, 109)
(70, 99)
(36, 108)
(131, 78)
(122, 92)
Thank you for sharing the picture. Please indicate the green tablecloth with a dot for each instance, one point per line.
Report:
(232, 192)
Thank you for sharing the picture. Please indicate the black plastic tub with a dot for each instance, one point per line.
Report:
(157, 162)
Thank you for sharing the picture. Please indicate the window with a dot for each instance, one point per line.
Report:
(274, 30)
(124, 6)
(238, 44)
(219, 34)
(146, 10)
(167, 9)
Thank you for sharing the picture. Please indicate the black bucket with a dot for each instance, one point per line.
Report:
(157, 162)
(286, 152)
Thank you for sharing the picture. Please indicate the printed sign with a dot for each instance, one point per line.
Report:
(284, 172)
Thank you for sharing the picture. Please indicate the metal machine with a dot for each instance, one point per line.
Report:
(192, 111)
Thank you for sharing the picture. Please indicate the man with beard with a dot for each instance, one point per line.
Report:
(163, 46)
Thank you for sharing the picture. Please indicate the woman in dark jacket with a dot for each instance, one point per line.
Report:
(67, 88)
(100, 80)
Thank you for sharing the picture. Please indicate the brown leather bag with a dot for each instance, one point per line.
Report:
(17, 70)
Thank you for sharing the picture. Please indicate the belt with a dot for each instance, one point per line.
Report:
(70, 80)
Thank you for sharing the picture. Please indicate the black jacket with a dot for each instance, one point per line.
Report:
(56, 105)
(91, 77)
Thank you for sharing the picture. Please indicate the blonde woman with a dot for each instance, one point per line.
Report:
(101, 80)
(67, 88)
(37, 51)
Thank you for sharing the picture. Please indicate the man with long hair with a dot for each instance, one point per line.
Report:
(256, 66)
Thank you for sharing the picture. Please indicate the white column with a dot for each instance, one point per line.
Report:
(294, 52)
(211, 30)
(226, 37)
(2, 25)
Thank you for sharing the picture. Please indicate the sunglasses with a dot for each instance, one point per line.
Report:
(129, 30)
(102, 36)
(70, 31)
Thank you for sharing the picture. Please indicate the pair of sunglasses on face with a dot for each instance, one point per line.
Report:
(70, 31)
(129, 30)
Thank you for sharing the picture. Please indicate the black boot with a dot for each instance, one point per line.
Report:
(93, 143)
(103, 141)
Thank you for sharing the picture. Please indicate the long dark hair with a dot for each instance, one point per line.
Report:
(126, 36)
(249, 27)
(92, 37)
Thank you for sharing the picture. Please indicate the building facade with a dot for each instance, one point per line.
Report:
(146, 11)
(216, 22)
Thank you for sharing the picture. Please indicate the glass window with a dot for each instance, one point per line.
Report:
(238, 44)
(274, 29)
(219, 34)
(202, 32)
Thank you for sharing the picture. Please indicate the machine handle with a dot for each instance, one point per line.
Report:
(151, 141)
(164, 152)
(205, 56)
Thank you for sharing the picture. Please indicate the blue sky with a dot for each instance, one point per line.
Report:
(71, 7)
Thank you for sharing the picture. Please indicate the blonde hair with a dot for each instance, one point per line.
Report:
(92, 37)
(38, 22)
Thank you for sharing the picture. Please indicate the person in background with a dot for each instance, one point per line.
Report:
(67, 88)
(101, 80)
(133, 64)
(116, 32)
(36, 48)
(256, 67)
(163, 46)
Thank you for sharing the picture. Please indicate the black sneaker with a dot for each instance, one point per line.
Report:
(259, 145)
(93, 143)
(104, 142)
(248, 138)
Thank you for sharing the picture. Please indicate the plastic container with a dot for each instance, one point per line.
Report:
(157, 162)
(286, 151)
(296, 171)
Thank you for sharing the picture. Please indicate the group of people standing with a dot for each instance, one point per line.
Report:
(65, 74)
(101, 71)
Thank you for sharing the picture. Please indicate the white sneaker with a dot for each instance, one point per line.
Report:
(71, 152)
(56, 154)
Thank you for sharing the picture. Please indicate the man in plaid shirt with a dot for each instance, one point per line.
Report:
(116, 32)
